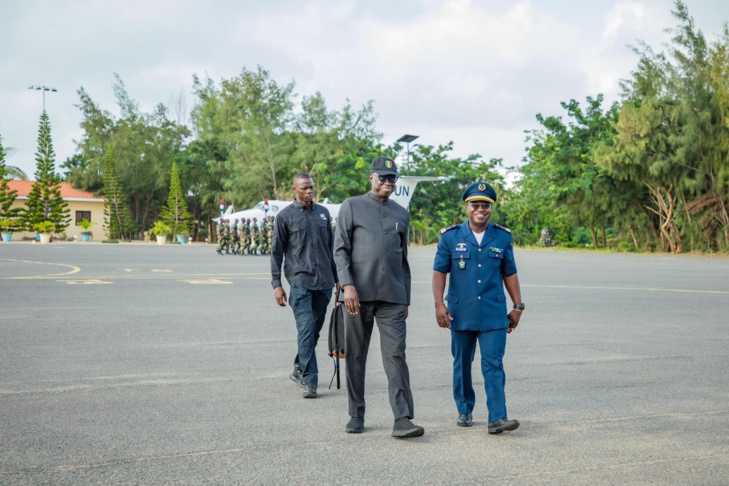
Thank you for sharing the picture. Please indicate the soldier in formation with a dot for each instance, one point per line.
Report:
(245, 237)
(235, 238)
(223, 237)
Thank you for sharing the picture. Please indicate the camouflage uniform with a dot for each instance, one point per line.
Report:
(269, 233)
(235, 238)
(226, 237)
(221, 236)
(244, 237)
(254, 236)
(263, 238)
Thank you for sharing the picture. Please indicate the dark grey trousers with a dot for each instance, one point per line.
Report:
(358, 331)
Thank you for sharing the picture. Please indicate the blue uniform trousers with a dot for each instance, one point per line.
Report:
(463, 348)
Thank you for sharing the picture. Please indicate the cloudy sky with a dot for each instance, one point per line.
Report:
(474, 72)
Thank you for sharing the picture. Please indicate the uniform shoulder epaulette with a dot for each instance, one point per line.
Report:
(445, 230)
(502, 227)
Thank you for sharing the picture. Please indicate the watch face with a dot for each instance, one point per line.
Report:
(520, 306)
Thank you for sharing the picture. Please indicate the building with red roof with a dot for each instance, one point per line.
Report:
(81, 204)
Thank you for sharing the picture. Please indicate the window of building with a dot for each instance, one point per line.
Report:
(81, 215)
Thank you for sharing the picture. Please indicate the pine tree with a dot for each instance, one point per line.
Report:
(7, 196)
(44, 201)
(175, 214)
(118, 221)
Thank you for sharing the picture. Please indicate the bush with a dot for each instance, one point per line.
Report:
(626, 246)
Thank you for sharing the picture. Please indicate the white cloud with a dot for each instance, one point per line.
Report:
(610, 60)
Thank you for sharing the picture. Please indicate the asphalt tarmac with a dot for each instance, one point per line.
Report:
(146, 364)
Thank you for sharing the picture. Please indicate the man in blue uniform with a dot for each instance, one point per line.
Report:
(480, 258)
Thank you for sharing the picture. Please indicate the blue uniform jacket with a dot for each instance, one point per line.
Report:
(475, 295)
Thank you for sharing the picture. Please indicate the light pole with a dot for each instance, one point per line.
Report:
(407, 139)
(43, 89)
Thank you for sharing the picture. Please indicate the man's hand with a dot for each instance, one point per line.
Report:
(443, 316)
(351, 299)
(280, 294)
(514, 317)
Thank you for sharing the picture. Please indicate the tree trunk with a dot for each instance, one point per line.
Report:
(594, 236)
(632, 235)
(604, 238)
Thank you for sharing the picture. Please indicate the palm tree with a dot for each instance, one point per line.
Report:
(12, 172)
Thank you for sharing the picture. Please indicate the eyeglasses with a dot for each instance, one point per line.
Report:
(388, 178)
(480, 205)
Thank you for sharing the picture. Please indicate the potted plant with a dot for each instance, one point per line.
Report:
(160, 230)
(7, 226)
(45, 229)
(182, 236)
(86, 226)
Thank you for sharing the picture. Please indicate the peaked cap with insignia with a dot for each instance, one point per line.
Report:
(480, 191)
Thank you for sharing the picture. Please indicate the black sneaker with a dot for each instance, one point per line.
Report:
(296, 376)
(405, 429)
(355, 426)
(310, 390)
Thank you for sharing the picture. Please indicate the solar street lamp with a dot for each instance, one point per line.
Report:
(43, 89)
(406, 139)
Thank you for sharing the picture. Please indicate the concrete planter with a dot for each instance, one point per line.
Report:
(85, 236)
(161, 239)
(45, 238)
(7, 237)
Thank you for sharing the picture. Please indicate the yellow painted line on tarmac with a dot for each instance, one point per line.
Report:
(84, 282)
(74, 269)
(209, 281)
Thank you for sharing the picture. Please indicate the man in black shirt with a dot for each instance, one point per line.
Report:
(302, 240)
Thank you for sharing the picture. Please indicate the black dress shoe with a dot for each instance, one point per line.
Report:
(405, 429)
(502, 425)
(464, 420)
(355, 426)
(310, 390)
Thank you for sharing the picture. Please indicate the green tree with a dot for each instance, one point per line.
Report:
(7, 195)
(673, 139)
(143, 146)
(263, 137)
(118, 221)
(565, 187)
(176, 214)
(44, 201)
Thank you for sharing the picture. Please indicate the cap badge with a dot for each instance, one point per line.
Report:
(482, 187)
(388, 164)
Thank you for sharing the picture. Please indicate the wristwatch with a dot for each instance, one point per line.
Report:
(520, 306)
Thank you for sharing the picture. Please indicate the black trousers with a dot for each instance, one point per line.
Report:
(358, 331)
